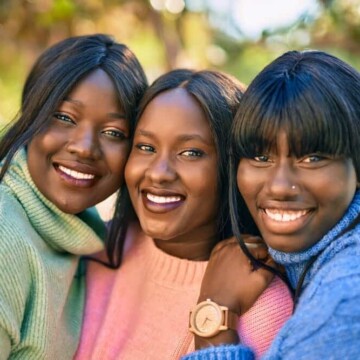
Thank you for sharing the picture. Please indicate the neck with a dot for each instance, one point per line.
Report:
(196, 245)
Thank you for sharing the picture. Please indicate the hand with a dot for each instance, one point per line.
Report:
(230, 280)
(256, 246)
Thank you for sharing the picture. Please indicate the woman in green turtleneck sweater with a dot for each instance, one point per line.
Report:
(64, 154)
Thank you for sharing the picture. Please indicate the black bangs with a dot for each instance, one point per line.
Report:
(314, 120)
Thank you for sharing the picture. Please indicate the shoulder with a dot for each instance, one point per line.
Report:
(343, 265)
(327, 318)
(15, 234)
(336, 277)
(15, 265)
(15, 225)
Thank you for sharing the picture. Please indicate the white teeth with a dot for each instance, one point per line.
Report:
(75, 174)
(162, 199)
(282, 215)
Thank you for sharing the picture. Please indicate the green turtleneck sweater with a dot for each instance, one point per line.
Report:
(41, 297)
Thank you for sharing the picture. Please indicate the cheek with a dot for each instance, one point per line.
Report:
(36, 157)
(249, 185)
(40, 145)
(243, 179)
(116, 159)
(51, 139)
(134, 170)
(336, 187)
(202, 181)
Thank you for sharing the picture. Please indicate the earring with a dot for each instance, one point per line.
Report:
(293, 187)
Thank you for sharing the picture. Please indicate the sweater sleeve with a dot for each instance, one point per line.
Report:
(15, 274)
(325, 325)
(327, 322)
(228, 352)
(4, 344)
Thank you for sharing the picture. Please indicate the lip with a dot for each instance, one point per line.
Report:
(161, 201)
(287, 219)
(76, 174)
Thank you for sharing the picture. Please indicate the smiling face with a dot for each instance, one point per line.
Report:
(79, 159)
(295, 201)
(172, 175)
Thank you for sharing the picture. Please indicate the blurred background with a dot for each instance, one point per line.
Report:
(236, 36)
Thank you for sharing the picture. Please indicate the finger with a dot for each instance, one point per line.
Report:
(258, 251)
(251, 245)
(232, 242)
(251, 239)
(263, 277)
(270, 262)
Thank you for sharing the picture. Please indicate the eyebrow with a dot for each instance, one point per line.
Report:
(180, 138)
(114, 115)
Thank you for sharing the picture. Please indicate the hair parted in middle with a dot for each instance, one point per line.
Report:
(58, 70)
(218, 95)
(53, 76)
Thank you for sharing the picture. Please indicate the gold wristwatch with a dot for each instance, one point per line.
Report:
(208, 318)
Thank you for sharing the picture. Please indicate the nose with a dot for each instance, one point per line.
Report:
(84, 143)
(161, 170)
(283, 181)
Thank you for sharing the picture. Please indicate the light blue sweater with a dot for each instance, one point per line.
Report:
(326, 323)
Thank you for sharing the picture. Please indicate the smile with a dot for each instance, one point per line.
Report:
(285, 215)
(76, 174)
(163, 199)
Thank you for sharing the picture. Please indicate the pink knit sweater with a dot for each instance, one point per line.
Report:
(141, 311)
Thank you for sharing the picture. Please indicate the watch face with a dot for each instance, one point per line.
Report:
(207, 319)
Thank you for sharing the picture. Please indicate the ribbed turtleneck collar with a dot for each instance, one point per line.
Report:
(296, 262)
(63, 232)
(170, 270)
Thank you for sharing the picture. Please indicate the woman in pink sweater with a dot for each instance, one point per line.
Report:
(177, 182)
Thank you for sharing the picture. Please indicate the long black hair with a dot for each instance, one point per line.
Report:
(218, 95)
(56, 72)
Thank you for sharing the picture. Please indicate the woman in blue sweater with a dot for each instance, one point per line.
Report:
(295, 166)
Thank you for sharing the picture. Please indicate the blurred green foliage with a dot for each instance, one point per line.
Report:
(161, 39)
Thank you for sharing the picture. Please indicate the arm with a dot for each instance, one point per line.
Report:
(326, 323)
(14, 287)
(15, 277)
(5, 344)
(230, 281)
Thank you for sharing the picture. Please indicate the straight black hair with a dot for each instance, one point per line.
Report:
(56, 72)
(218, 95)
(312, 96)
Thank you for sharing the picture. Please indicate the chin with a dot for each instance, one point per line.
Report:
(69, 209)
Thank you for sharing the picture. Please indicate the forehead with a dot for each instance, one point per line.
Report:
(175, 113)
(95, 91)
(97, 78)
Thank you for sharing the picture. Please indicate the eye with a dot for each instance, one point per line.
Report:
(64, 118)
(261, 158)
(192, 153)
(313, 158)
(115, 134)
(145, 148)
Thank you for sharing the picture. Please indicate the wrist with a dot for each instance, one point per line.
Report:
(228, 337)
(213, 324)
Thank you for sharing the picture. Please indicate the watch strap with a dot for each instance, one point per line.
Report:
(231, 318)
